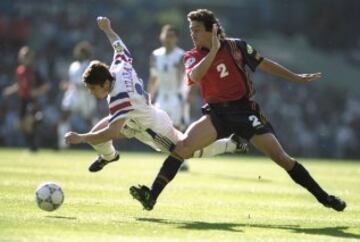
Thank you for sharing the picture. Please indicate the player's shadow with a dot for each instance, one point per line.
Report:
(196, 225)
(338, 231)
(61, 217)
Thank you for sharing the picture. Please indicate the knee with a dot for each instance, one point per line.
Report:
(183, 149)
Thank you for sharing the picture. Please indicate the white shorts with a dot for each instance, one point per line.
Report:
(176, 108)
(154, 128)
(79, 101)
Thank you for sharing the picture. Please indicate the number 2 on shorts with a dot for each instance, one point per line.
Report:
(254, 120)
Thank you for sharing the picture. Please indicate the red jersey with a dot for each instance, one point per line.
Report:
(26, 79)
(227, 78)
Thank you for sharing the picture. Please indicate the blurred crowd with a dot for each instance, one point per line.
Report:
(310, 120)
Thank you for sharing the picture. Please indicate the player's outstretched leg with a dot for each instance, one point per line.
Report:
(269, 144)
(100, 162)
(233, 144)
(146, 196)
(301, 176)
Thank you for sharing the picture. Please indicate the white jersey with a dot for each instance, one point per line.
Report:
(127, 94)
(128, 100)
(166, 66)
(172, 90)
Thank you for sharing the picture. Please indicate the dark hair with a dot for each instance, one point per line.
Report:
(208, 19)
(169, 27)
(97, 73)
(83, 51)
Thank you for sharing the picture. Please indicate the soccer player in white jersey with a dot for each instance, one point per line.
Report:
(166, 81)
(77, 99)
(167, 78)
(131, 113)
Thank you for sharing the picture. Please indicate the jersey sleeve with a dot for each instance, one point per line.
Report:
(251, 56)
(119, 106)
(190, 60)
(121, 52)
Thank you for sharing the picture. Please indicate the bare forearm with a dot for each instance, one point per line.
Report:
(273, 68)
(153, 85)
(202, 67)
(111, 35)
(98, 137)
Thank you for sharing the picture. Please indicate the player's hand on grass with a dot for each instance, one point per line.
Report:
(304, 78)
(73, 138)
(103, 23)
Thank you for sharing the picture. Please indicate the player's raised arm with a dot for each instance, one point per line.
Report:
(114, 39)
(105, 25)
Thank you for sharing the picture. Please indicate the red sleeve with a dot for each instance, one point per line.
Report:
(190, 60)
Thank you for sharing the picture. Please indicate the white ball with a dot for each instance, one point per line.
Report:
(49, 196)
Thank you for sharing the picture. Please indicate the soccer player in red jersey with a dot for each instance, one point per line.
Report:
(221, 67)
(29, 86)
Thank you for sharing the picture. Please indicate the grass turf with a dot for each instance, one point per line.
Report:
(221, 199)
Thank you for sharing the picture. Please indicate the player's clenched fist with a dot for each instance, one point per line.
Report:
(103, 23)
(73, 138)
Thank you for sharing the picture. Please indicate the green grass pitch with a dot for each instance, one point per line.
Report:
(229, 198)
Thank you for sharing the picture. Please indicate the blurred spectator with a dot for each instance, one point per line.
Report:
(29, 86)
(77, 99)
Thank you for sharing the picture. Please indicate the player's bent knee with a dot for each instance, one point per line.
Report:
(183, 150)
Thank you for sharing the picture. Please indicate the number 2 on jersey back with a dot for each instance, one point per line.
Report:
(221, 68)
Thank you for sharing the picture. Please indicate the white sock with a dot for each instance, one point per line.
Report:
(105, 150)
(221, 146)
(185, 163)
(62, 128)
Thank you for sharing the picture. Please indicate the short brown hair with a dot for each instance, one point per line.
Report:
(208, 19)
(97, 73)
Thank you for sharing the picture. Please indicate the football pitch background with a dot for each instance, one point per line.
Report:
(227, 198)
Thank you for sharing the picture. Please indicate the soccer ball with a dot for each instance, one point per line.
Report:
(49, 196)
